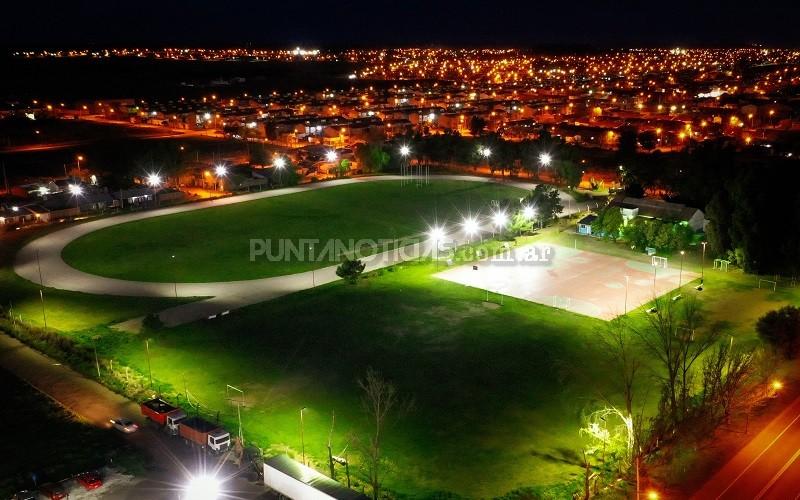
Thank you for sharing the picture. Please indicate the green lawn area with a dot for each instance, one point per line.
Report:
(65, 311)
(40, 436)
(214, 244)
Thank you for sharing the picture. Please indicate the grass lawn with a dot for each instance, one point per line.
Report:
(39, 436)
(65, 311)
(498, 391)
(214, 244)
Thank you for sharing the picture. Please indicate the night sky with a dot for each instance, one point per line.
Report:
(342, 23)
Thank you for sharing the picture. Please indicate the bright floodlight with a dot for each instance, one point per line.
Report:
(279, 162)
(500, 219)
(470, 226)
(221, 170)
(202, 488)
(545, 159)
(331, 156)
(528, 212)
(153, 180)
(43, 190)
(486, 152)
(75, 189)
(405, 150)
(436, 233)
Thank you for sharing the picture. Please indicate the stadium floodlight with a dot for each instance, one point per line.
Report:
(528, 212)
(279, 162)
(331, 156)
(405, 150)
(470, 226)
(202, 487)
(221, 170)
(500, 219)
(153, 180)
(545, 159)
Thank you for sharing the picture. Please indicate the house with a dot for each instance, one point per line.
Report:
(585, 224)
(659, 209)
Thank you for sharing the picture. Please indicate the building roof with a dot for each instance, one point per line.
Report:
(312, 478)
(658, 209)
(588, 219)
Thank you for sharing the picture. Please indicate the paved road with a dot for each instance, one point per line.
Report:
(767, 468)
(171, 459)
(45, 254)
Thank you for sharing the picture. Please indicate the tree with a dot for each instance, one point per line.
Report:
(521, 224)
(671, 336)
(378, 400)
(286, 176)
(609, 223)
(628, 139)
(569, 172)
(546, 200)
(342, 167)
(350, 270)
(372, 157)
(476, 125)
(258, 154)
(781, 330)
(648, 140)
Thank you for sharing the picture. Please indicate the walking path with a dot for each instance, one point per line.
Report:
(40, 261)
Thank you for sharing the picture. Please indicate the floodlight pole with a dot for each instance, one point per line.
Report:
(703, 263)
(302, 435)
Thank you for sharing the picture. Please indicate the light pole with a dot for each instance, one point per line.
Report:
(279, 164)
(436, 234)
(703, 263)
(76, 190)
(404, 152)
(78, 160)
(175, 276)
(154, 181)
(680, 273)
(499, 220)
(220, 171)
(302, 435)
(486, 153)
(470, 226)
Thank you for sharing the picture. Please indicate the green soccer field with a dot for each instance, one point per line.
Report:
(214, 244)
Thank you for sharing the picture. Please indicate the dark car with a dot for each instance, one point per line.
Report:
(89, 480)
(53, 491)
(25, 495)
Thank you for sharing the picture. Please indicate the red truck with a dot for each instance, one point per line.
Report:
(203, 433)
(164, 414)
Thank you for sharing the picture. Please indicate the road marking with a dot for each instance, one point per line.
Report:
(759, 455)
(777, 475)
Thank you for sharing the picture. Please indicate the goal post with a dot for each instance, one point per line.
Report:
(721, 264)
(657, 261)
(764, 283)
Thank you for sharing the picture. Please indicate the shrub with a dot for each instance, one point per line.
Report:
(781, 329)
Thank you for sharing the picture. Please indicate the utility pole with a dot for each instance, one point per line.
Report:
(149, 366)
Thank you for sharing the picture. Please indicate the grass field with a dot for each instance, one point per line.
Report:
(214, 244)
(499, 391)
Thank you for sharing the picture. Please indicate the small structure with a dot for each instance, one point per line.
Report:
(585, 224)
(658, 209)
(294, 480)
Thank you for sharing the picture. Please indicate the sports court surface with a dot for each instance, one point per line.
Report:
(579, 281)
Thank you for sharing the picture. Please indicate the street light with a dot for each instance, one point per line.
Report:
(436, 234)
(79, 159)
(405, 150)
(331, 156)
(545, 159)
(528, 212)
(76, 190)
(220, 171)
(302, 435)
(202, 487)
(499, 220)
(680, 273)
(470, 226)
(279, 164)
(703, 263)
(154, 181)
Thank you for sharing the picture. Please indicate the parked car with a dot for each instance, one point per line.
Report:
(124, 425)
(25, 495)
(53, 491)
(89, 480)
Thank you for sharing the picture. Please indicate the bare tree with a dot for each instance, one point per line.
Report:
(672, 337)
(618, 342)
(379, 400)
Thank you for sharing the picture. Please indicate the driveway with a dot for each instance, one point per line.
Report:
(40, 261)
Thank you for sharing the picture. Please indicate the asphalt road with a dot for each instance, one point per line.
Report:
(45, 253)
(172, 462)
(768, 467)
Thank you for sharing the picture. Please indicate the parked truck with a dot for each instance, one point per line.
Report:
(164, 414)
(203, 433)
